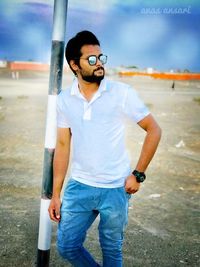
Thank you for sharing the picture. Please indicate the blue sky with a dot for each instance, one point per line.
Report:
(159, 34)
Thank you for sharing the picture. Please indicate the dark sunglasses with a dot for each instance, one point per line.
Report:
(92, 60)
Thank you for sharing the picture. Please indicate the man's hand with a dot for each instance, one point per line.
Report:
(131, 184)
(54, 209)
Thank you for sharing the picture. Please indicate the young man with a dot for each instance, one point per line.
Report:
(90, 116)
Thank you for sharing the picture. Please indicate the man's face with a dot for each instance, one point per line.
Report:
(94, 73)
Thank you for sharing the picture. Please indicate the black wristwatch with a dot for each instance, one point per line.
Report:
(140, 176)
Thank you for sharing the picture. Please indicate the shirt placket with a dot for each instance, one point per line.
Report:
(87, 111)
(88, 107)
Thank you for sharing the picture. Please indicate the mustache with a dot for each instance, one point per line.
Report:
(99, 68)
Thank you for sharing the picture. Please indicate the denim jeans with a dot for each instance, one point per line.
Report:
(80, 206)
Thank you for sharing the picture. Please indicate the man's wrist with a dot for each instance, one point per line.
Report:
(140, 176)
(56, 194)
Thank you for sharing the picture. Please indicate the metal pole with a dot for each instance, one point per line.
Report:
(55, 82)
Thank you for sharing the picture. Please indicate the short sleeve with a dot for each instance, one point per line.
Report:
(133, 106)
(62, 121)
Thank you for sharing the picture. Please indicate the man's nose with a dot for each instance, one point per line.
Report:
(99, 63)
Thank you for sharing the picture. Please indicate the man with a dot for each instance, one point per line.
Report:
(90, 116)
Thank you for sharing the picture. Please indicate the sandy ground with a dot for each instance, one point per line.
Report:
(163, 217)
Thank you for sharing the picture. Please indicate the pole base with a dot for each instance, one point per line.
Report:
(43, 257)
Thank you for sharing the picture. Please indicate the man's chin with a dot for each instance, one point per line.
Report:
(93, 78)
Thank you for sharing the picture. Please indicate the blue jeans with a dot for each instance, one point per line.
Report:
(80, 206)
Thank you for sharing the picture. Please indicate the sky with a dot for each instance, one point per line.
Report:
(159, 34)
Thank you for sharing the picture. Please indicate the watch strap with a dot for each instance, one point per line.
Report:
(140, 176)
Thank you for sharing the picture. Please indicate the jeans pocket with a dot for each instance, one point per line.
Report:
(128, 195)
(71, 184)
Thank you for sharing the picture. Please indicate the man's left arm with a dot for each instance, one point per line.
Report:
(153, 135)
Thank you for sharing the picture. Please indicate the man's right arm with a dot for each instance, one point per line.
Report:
(60, 166)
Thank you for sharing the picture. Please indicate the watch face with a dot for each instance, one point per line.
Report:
(140, 176)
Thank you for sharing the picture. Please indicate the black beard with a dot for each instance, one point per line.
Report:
(93, 78)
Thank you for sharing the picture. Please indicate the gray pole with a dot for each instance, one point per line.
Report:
(55, 82)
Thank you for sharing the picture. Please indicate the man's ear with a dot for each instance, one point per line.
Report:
(73, 65)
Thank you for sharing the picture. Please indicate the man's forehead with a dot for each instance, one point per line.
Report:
(90, 49)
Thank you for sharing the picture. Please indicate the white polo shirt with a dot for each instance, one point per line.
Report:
(99, 156)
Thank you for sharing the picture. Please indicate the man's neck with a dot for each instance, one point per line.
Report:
(87, 89)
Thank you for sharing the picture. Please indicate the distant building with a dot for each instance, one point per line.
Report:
(26, 65)
(150, 70)
(3, 64)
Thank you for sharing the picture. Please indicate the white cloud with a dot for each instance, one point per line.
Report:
(142, 32)
(101, 6)
(32, 1)
(97, 5)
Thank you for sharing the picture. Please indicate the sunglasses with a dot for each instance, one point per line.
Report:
(92, 60)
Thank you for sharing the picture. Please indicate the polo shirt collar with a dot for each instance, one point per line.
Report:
(75, 89)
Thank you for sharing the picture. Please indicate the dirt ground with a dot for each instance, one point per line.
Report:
(163, 228)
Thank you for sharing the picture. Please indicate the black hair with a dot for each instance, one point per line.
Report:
(74, 45)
